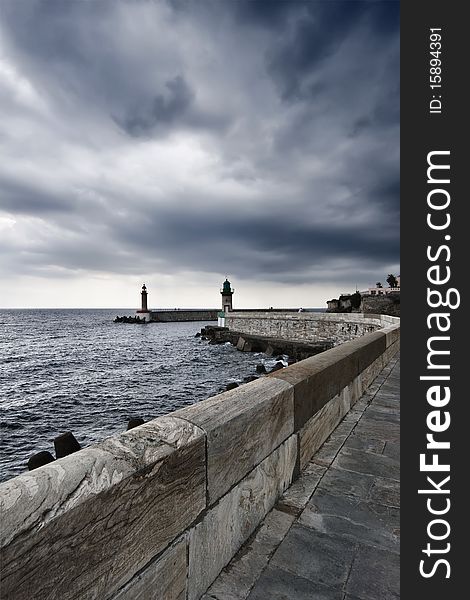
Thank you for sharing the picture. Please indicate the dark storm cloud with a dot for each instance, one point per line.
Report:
(165, 108)
(253, 137)
(21, 198)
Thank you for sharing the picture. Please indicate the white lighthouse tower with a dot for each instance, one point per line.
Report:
(227, 293)
(143, 312)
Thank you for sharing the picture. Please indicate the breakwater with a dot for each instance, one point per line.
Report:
(161, 509)
(182, 314)
(308, 327)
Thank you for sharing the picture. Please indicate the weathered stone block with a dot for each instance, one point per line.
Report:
(367, 376)
(243, 426)
(318, 379)
(87, 523)
(224, 528)
(391, 351)
(320, 426)
(392, 334)
(163, 579)
(369, 351)
(355, 391)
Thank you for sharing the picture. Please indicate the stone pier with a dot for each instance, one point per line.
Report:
(334, 534)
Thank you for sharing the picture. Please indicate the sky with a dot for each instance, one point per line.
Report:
(176, 142)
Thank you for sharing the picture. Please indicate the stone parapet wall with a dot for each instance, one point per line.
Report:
(158, 511)
(308, 327)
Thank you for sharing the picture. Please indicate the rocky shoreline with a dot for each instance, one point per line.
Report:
(285, 352)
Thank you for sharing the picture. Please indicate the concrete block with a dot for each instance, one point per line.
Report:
(318, 379)
(321, 425)
(367, 376)
(240, 343)
(355, 391)
(243, 426)
(163, 579)
(224, 528)
(87, 523)
(392, 334)
(368, 352)
(391, 351)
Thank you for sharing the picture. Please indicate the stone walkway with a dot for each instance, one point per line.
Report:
(334, 535)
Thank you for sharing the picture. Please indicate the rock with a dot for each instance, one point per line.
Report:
(261, 368)
(66, 444)
(198, 334)
(277, 367)
(291, 360)
(249, 378)
(134, 422)
(240, 343)
(40, 459)
(231, 386)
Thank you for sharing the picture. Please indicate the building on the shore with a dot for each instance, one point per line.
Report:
(374, 300)
(382, 291)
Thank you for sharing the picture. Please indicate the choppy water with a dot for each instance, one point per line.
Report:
(76, 370)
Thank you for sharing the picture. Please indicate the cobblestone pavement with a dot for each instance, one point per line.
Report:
(334, 535)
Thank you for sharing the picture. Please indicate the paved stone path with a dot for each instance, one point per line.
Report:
(334, 535)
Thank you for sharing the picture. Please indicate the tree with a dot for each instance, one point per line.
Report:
(392, 281)
(378, 284)
(356, 300)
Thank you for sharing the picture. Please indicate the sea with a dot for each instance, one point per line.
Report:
(76, 370)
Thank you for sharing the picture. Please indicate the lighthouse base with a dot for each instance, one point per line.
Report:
(143, 314)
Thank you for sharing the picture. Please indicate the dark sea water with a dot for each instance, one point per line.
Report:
(76, 370)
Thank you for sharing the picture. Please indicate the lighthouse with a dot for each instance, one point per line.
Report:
(144, 294)
(227, 293)
(143, 312)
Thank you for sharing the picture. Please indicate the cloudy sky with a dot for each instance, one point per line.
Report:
(176, 142)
